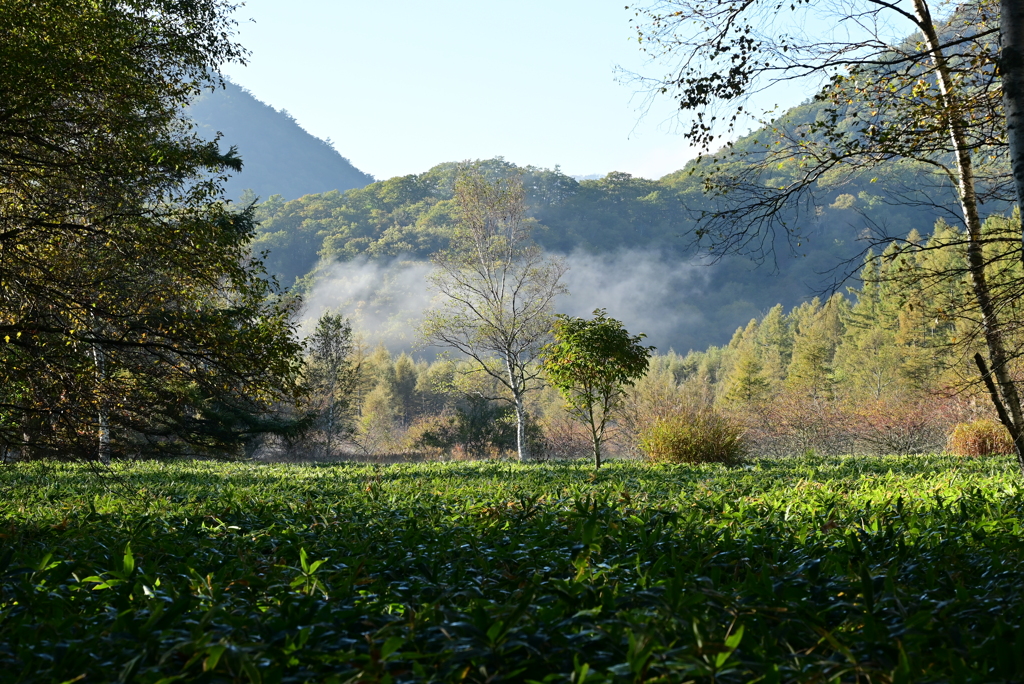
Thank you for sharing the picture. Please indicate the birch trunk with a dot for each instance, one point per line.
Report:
(515, 383)
(991, 327)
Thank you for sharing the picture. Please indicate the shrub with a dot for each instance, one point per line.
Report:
(898, 425)
(478, 428)
(792, 422)
(979, 438)
(562, 438)
(700, 436)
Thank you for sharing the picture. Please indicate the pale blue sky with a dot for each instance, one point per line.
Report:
(403, 85)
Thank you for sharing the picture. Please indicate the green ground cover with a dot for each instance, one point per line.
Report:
(808, 569)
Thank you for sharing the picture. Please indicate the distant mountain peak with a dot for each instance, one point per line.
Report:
(279, 157)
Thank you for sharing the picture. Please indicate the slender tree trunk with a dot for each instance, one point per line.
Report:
(1007, 400)
(516, 385)
(1011, 71)
(103, 427)
(521, 443)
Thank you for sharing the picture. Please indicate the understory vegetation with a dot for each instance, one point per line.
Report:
(884, 368)
(881, 569)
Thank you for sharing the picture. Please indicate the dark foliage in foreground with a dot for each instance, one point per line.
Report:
(802, 570)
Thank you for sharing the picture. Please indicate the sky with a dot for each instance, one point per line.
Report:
(401, 86)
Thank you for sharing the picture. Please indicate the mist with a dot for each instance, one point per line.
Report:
(648, 292)
(384, 300)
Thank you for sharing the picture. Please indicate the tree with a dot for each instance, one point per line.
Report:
(331, 379)
(819, 331)
(497, 289)
(591, 362)
(1011, 70)
(932, 100)
(132, 314)
(746, 384)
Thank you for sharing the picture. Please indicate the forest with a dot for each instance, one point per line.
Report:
(617, 220)
(221, 461)
(879, 369)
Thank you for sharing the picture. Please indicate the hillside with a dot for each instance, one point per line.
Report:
(628, 241)
(279, 156)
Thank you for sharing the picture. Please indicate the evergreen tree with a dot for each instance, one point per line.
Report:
(819, 330)
(331, 378)
(774, 344)
(747, 384)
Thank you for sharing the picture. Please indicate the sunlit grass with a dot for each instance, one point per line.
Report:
(888, 568)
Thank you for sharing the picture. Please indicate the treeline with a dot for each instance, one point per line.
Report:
(883, 368)
(412, 216)
(887, 369)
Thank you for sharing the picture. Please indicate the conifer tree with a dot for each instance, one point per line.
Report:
(331, 378)
(746, 384)
(774, 342)
(819, 330)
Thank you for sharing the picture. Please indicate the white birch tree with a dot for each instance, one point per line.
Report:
(497, 290)
(904, 85)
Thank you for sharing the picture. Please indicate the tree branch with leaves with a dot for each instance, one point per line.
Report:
(896, 87)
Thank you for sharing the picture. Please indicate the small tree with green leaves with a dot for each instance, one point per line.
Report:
(591, 362)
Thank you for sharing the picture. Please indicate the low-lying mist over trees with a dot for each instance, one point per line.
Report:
(386, 298)
(628, 242)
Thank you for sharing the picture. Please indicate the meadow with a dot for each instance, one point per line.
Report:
(807, 569)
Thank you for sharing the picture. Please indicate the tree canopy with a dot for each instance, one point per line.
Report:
(496, 288)
(129, 300)
(591, 362)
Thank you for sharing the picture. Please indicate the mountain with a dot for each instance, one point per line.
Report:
(279, 157)
(628, 242)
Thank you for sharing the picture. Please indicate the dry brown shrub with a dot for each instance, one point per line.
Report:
(981, 437)
(565, 438)
(693, 436)
(791, 423)
(899, 425)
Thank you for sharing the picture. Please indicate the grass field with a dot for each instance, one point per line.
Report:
(809, 569)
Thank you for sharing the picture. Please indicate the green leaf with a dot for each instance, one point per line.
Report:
(213, 657)
(390, 646)
(128, 562)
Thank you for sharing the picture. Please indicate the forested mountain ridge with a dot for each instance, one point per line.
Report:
(279, 157)
(411, 216)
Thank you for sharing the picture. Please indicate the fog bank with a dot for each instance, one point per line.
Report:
(649, 293)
